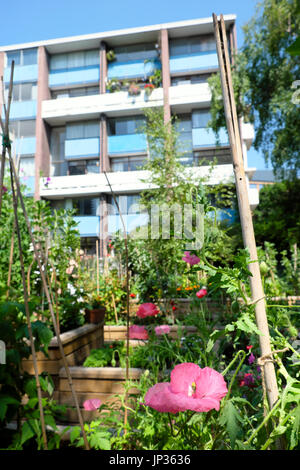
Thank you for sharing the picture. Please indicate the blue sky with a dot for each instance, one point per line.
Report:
(35, 20)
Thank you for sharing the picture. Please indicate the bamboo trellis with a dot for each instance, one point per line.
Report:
(18, 197)
(258, 297)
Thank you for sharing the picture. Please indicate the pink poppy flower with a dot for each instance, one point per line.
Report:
(137, 332)
(92, 404)
(147, 310)
(191, 388)
(190, 259)
(162, 330)
(201, 293)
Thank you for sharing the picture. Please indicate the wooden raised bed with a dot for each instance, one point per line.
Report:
(118, 332)
(93, 382)
(77, 345)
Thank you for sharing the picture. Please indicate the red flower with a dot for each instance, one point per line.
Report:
(132, 296)
(249, 347)
(174, 308)
(201, 293)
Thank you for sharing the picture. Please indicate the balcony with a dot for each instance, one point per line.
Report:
(190, 95)
(88, 226)
(57, 112)
(131, 222)
(203, 137)
(23, 110)
(199, 61)
(127, 144)
(79, 148)
(25, 146)
(134, 69)
(22, 73)
(76, 76)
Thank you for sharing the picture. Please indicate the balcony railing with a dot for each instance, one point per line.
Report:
(23, 110)
(203, 137)
(74, 76)
(192, 62)
(22, 73)
(79, 148)
(25, 146)
(127, 144)
(134, 69)
(88, 226)
(131, 221)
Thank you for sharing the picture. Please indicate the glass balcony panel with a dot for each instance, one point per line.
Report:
(88, 226)
(80, 148)
(203, 137)
(131, 143)
(191, 62)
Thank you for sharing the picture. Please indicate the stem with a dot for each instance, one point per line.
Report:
(263, 423)
(233, 361)
(235, 374)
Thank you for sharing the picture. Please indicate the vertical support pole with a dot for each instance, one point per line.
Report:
(97, 265)
(244, 208)
(42, 153)
(166, 80)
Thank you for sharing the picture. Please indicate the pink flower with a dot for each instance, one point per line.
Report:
(201, 293)
(138, 332)
(147, 310)
(190, 259)
(69, 270)
(162, 330)
(92, 404)
(4, 189)
(191, 388)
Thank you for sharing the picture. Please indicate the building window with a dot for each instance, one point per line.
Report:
(125, 126)
(27, 166)
(82, 130)
(83, 167)
(200, 118)
(192, 45)
(74, 92)
(128, 163)
(88, 245)
(85, 206)
(184, 128)
(128, 204)
(73, 60)
(135, 52)
(22, 92)
(24, 128)
(190, 79)
(22, 57)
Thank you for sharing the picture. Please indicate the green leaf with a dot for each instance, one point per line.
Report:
(294, 49)
(210, 345)
(295, 434)
(230, 418)
(27, 432)
(74, 434)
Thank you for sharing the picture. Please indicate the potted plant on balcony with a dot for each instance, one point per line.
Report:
(134, 89)
(95, 312)
(113, 85)
(156, 78)
(149, 87)
(110, 55)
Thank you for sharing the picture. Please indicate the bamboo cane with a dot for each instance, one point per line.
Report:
(6, 146)
(244, 207)
(97, 265)
(33, 353)
(127, 298)
(15, 179)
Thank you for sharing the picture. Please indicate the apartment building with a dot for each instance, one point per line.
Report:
(78, 106)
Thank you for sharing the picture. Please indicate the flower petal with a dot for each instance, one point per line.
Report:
(182, 377)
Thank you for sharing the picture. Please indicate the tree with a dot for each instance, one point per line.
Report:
(277, 217)
(265, 82)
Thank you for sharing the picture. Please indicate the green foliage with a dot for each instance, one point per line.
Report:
(109, 355)
(276, 218)
(263, 77)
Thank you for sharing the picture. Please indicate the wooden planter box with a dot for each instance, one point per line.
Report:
(118, 333)
(77, 345)
(93, 382)
(95, 315)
